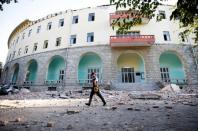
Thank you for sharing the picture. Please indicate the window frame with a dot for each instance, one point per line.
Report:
(90, 37)
(91, 17)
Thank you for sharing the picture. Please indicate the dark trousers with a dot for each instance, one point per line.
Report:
(98, 94)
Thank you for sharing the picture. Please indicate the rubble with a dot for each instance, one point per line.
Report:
(50, 124)
(18, 119)
(69, 127)
(3, 123)
(70, 112)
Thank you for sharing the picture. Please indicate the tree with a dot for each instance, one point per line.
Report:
(5, 2)
(186, 12)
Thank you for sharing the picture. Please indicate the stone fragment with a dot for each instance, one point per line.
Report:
(3, 123)
(137, 109)
(130, 108)
(18, 119)
(70, 112)
(50, 124)
(168, 107)
(155, 106)
(69, 127)
(114, 108)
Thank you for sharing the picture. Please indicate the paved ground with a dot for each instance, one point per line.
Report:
(125, 111)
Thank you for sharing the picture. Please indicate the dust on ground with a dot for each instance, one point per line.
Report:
(125, 111)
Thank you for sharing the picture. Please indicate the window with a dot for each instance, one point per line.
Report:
(75, 20)
(38, 29)
(30, 31)
(91, 17)
(49, 26)
(90, 37)
(23, 36)
(166, 36)
(183, 37)
(58, 41)
(35, 47)
(161, 15)
(130, 33)
(61, 23)
(17, 39)
(165, 74)
(26, 50)
(10, 57)
(45, 44)
(61, 75)
(73, 39)
(19, 52)
(128, 75)
(93, 69)
(13, 54)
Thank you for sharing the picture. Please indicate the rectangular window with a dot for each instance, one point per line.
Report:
(17, 39)
(75, 20)
(61, 23)
(58, 41)
(90, 37)
(128, 75)
(45, 44)
(23, 36)
(129, 33)
(49, 26)
(10, 57)
(73, 39)
(91, 17)
(38, 29)
(61, 75)
(30, 31)
(95, 70)
(35, 47)
(19, 52)
(13, 54)
(166, 36)
(165, 74)
(162, 14)
(26, 50)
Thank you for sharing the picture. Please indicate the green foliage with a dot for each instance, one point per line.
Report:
(187, 14)
(135, 9)
(5, 2)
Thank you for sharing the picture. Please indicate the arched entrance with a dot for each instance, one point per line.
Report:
(15, 73)
(56, 69)
(31, 71)
(171, 68)
(89, 62)
(131, 68)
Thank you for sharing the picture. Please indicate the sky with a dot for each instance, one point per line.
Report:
(14, 13)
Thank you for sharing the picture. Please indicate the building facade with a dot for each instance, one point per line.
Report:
(62, 49)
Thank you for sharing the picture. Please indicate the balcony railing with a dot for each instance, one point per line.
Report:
(124, 14)
(133, 40)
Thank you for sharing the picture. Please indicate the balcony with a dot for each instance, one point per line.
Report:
(130, 41)
(124, 14)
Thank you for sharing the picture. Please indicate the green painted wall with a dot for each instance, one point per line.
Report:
(172, 61)
(88, 60)
(32, 71)
(54, 68)
(131, 60)
(15, 75)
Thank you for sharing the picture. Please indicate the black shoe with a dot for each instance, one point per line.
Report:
(87, 104)
(104, 104)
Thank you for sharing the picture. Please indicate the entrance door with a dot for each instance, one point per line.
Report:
(128, 75)
(90, 70)
(165, 74)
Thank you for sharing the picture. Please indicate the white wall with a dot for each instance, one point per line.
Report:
(101, 28)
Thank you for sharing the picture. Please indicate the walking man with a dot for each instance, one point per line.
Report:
(95, 90)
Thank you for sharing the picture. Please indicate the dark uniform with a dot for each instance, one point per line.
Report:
(95, 90)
